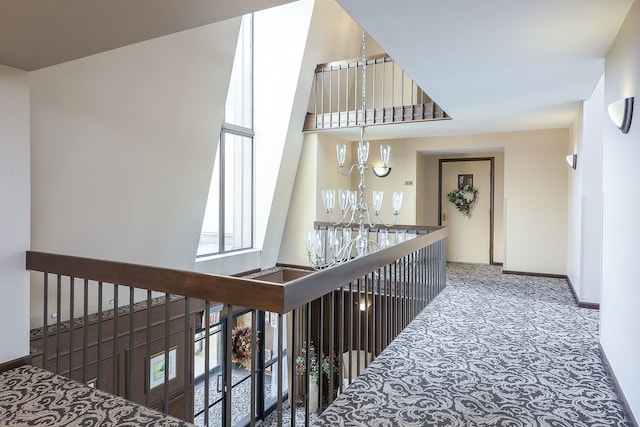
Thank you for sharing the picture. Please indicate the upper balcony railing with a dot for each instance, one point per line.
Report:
(218, 350)
(391, 95)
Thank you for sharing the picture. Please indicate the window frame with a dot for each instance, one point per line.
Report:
(246, 132)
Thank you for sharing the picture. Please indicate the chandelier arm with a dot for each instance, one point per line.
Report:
(391, 224)
(342, 221)
(350, 171)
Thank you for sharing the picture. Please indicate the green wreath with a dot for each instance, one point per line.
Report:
(464, 199)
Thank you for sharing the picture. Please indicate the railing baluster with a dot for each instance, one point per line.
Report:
(322, 98)
(45, 317)
(332, 336)
(148, 347)
(71, 323)
(307, 379)
(129, 377)
(188, 358)
(85, 330)
(207, 354)
(100, 381)
(320, 353)
(365, 312)
(373, 90)
(292, 359)
(58, 316)
(228, 387)
(254, 367)
(114, 357)
(167, 338)
(330, 97)
(315, 97)
(358, 327)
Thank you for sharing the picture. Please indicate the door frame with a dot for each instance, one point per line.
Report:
(492, 173)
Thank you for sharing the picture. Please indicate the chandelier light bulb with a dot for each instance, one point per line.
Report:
(328, 200)
(353, 197)
(341, 151)
(343, 199)
(310, 240)
(377, 201)
(385, 152)
(363, 152)
(396, 202)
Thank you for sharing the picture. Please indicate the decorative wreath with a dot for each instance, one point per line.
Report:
(464, 199)
(241, 338)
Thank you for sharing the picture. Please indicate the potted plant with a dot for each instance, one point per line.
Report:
(313, 372)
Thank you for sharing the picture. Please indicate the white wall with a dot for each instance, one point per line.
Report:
(585, 200)
(14, 213)
(574, 185)
(535, 186)
(332, 34)
(535, 192)
(123, 145)
(303, 205)
(590, 168)
(619, 313)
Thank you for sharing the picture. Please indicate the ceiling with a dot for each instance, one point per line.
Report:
(36, 34)
(493, 65)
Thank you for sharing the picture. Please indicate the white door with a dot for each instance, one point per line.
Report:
(469, 236)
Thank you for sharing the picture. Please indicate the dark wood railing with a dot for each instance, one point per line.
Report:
(118, 325)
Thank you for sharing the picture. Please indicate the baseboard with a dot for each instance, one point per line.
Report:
(26, 360)
(526, 273)
(616, 386)
(581, 304)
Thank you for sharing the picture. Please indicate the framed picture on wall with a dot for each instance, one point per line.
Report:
(464, 180)
(157, 367)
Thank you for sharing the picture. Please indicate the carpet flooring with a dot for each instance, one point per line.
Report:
(490, 350)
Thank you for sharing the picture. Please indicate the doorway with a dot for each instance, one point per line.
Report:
(471, 236)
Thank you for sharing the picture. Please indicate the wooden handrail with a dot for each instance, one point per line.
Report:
(250, 293)
(308, 288)
(223, 289)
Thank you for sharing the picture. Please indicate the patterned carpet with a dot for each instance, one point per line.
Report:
(31, 396)
(490, 350)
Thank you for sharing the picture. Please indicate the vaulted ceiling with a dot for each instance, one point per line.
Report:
(493, 65)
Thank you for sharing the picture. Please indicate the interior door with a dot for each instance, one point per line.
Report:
(469, 236)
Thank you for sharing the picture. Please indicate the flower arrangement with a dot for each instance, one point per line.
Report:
(241, 339)
(314, 368)
(464, 199)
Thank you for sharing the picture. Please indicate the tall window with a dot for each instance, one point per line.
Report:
(228, 220)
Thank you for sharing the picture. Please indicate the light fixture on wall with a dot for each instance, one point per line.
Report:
(572, 159)
(325, 249)
(381, 171)
(621, 113)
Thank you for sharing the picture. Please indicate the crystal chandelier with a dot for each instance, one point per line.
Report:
(333, 247)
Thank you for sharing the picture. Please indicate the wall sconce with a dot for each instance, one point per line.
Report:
(381, 171)
(621, 113)
(572, 159)
(362, 304)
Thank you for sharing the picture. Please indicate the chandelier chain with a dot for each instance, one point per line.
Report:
(364, 78)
